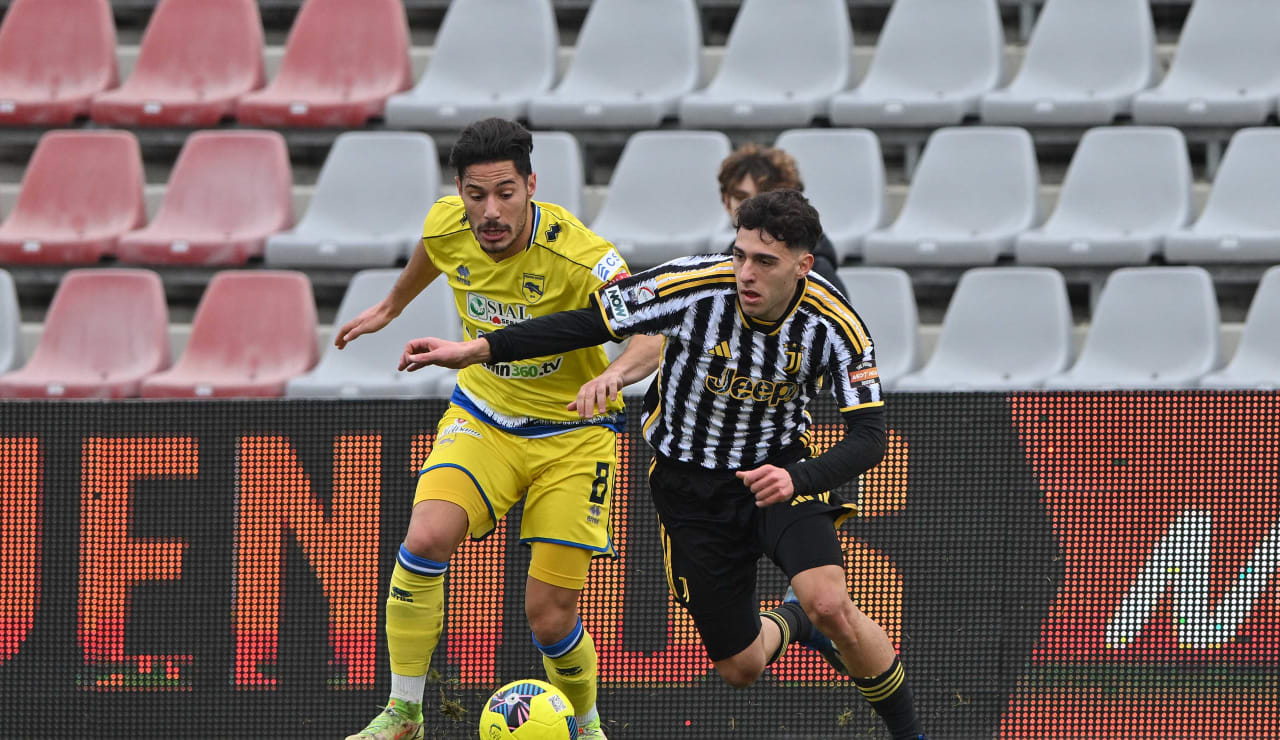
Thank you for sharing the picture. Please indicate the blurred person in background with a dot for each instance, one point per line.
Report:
(751, 170)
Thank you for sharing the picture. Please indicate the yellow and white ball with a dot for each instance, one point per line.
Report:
(528, 710)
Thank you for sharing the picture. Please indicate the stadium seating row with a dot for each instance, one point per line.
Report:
(106, 336)
(1010, 328)
(254, 334)
(346, 61)
(81, 199)
(201, 61)
(1126, 198)
(230, 194)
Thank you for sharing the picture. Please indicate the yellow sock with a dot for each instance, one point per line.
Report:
(415, 613)
(571, 667)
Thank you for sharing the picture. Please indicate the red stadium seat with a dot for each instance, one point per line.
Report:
(342, 60)
(105, 331)
(81, 192)
(253, 331)
(54, 56)
(229, 191)
(197, 58)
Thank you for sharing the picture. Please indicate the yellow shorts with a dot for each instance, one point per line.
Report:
(566, 480)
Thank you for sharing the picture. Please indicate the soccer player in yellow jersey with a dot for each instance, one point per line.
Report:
(507, 432)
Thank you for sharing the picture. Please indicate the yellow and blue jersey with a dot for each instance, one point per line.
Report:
(561, 267)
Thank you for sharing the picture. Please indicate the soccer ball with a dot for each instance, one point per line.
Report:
(528, 710)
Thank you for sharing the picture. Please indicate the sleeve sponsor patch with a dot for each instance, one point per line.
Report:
(610, 263)
(616, 303)
(863, 375)
(643, 292)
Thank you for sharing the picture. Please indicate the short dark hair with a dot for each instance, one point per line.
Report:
(492, 140)
(784, 215)
(768, 168)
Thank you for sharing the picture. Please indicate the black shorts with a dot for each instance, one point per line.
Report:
(713, 535)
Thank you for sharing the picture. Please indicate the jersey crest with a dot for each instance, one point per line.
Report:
(533, 286)
(795, 355)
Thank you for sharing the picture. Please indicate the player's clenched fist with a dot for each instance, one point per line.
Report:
(770, 484)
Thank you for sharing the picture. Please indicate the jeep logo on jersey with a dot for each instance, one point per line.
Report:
(744, 388)
(532, 287)
(488, 311)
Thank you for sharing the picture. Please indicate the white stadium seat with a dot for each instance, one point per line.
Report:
(1226, 71)
(1153, 327)
(663, 200)
(782, 63)
(1085, 61)
(1126, 188)
(632, 64)
(932, 64)
(467, 80)
(1005, 328)
(843, 175)
(974, 191)
(886, 303)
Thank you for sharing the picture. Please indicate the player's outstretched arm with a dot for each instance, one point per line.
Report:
(420, 353)
(415, 277)
(636, 363)
(545, 335)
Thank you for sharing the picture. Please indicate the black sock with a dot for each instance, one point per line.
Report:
(890, 696)
(794, 625)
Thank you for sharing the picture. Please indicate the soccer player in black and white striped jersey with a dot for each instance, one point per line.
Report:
(748, 341)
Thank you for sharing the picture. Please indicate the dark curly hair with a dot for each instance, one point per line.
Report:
(492, 140)
(784, 215)
(770, 169)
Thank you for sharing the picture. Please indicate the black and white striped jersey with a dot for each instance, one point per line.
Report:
(733, 390)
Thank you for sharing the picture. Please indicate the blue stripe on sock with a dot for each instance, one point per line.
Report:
(418, 565)
(564, 646)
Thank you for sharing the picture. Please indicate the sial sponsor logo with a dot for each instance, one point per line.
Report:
(488, 311)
